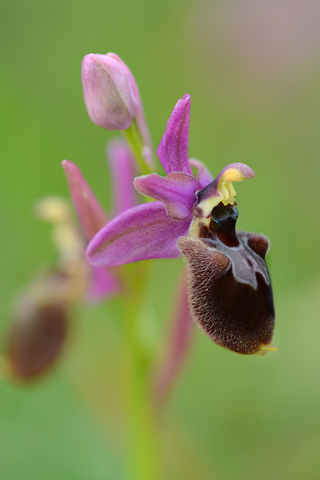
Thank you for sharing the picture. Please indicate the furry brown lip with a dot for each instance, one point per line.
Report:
(229, 287)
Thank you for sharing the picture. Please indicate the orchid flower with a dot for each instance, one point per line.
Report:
(229, 286)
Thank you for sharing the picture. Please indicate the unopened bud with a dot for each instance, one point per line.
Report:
(108, 93)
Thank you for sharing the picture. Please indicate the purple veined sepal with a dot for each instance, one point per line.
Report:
(141, 233)
(230, 292)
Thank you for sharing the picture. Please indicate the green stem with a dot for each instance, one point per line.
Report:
(143, 446)
(142, 458)
(136, 144)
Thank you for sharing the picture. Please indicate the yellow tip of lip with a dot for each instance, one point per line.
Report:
(268, 348)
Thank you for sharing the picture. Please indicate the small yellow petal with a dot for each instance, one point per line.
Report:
(231, 175)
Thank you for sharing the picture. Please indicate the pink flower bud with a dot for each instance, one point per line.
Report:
(108, 94)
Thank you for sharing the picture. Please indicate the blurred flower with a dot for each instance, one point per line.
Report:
(91, 214)
(200, 213)
(41, 316)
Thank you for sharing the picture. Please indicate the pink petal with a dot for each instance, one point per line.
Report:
(141, 233)
(89, 210)
(173, 148)
(122, 166)
(203, 176)
(176, 191)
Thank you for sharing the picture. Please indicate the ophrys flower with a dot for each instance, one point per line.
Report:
(229, 286)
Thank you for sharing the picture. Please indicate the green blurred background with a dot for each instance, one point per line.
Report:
(253, 71)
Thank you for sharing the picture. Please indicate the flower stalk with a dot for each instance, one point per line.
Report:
(143, 448)
(138, 148)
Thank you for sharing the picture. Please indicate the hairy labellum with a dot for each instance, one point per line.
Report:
(230, 292)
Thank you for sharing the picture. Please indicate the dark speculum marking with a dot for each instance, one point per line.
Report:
(230, 291)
